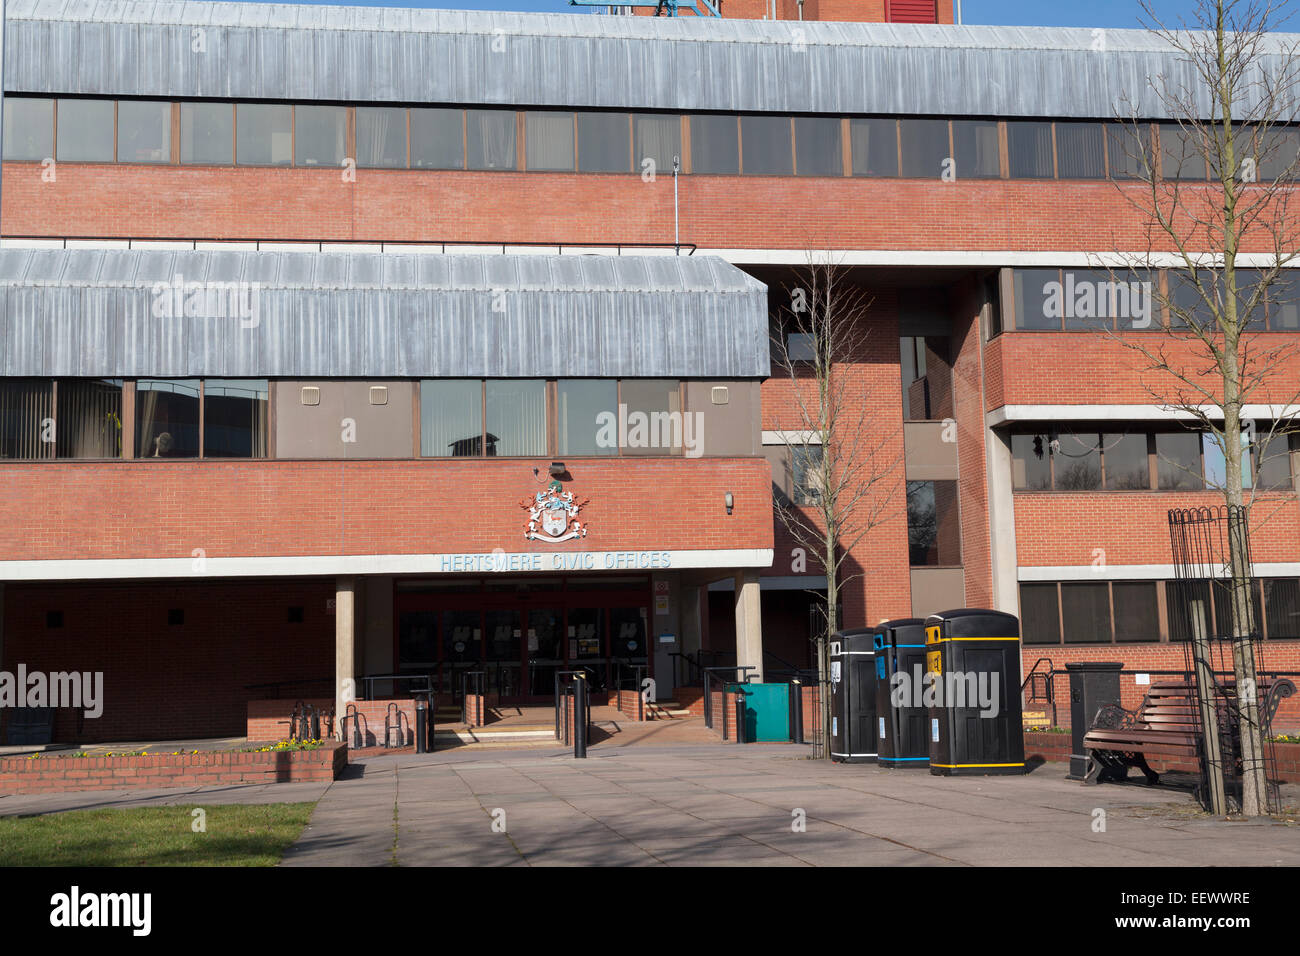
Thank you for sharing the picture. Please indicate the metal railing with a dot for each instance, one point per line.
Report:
(721, 675)
(1041, 686)
(366, 684)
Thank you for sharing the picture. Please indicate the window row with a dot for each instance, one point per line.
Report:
(397, 137)
(1142, 461)
(1054, 300)
(229, 418)
(1127, 612)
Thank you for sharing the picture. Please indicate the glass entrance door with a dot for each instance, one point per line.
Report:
(545, 649)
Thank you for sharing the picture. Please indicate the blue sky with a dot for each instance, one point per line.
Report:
(1092, 13)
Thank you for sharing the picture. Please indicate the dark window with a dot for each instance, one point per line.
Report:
(417, 639)
(925, 147)
(933, 535)
(451, 418)
(1038, 296)
(993, 298)
(587, 416)
(85, 131)
(818, 150)
(320, 135)
(1090, 299)
(800, 347)
(167, 418)
(264, 133)
(1191, 612)
(1031, 463)
(715, 145)
(208, 134)
(489, 137)
(806, 463)
(658, 139)
(1186, 303)
(381, 136)
(765, 145)
(874, 147)
(1137, 614)
(927, 378)
(1040, 614)
(295, 614)
(1282, 605)
(1128, 150)
(604, 143)
(90, 418)
(1284, 303)
(1085, 611)
(1215, 463)
(1272, 460)
(654, 419)
(1080, 151)
(1127, 462)
(53, 619)
(1178, 461)
(26, 418)
(550, 140)
(438, 139)
(1275, 152)
(1077, 462)
(175, 616)
(1180, 152)
(1029, 150)
(28, 128)
(516, 416)
(976, 149)
(144, 131)
(234, 418)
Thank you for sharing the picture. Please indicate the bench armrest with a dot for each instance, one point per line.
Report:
(1113, 717)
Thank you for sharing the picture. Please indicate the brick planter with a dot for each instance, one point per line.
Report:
(270, 719)
(56, 774)
(631, 705)
(1055, 748)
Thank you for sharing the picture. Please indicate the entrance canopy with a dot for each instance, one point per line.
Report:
(258, 314)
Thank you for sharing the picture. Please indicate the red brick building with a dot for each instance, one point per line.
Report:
(343, 343)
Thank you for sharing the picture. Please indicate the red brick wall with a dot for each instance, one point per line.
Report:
(169, 682)
(375, 720)
(631, 705)
(271, 720)
(232, 509)
(53, 774)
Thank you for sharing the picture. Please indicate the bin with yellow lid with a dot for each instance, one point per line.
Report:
(972, 692)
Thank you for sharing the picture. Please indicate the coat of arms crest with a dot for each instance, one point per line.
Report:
(553, 515)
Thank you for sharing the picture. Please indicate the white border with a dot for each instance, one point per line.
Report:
(1041, 413)
(1139, 572)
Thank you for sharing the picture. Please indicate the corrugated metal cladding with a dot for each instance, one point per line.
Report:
(125, 313)
(367, 54)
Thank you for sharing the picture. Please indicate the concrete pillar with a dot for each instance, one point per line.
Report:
(345, 660)
(749, 624)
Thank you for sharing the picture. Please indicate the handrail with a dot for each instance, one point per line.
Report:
(369, 681)
(289, 683)
(1045, 679)
(710, 675)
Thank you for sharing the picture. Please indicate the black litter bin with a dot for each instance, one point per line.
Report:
(1093, 685)
(975, 724)
(852, 662)
(901, 720)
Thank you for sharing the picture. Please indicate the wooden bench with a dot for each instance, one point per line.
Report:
(1166, 725)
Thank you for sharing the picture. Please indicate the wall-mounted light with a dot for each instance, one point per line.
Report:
(557, 469)
(730, 501)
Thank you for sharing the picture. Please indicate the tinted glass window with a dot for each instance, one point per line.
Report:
(1275, 151)
(1128, 150)
(874, 146)
(765, 145)
(1178, 461)
(28, 128)
(1127, 464)
(1040, 614)
(265, 134)
(654, 419)
(90, 418)
(550, 140)
(1089, 300)
(1085, 609)
(933, 535)
(86, 131)
(1215, 464)
(1284, 303)
(1137, 615)
(604, 143)
(320, 135)
(1080, 151)
(234, 418)
(976, 149)
(451, 418)
(1180, 152)
(817, 146)
(438, 139)
(1031, 463)
(381, 136)
(715, 145)
(167, 418)
(806, 470)
(924, 145)
(1272, 462)
(1029, 150)
(657, 139)
(1038, 296)
(587, 416)
(1191, 610)
(489, 139)
(26, 409)
(1187, 303)
(516, 416)
(1282, 606)
(1078, 463)
(144, 131)
(208, 133)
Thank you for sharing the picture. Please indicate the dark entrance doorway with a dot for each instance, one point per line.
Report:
(520, 631)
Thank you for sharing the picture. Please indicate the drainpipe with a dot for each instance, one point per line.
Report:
(800, 9)
(677, 233)
(959, 12)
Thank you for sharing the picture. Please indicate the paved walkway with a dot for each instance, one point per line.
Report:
(724, 805)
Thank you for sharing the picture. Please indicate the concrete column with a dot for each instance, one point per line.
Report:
(1002, 524)
(345, 656)
(749, 624)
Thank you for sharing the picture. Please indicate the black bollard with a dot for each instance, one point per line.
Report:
(421, 715)
(740, 716)
(796, 711)
(579, 716)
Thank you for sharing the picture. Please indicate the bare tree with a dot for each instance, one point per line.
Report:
(1214, 194)
(845, 469)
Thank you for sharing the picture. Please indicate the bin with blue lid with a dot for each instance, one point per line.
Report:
(901, 718)
(852, 660)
